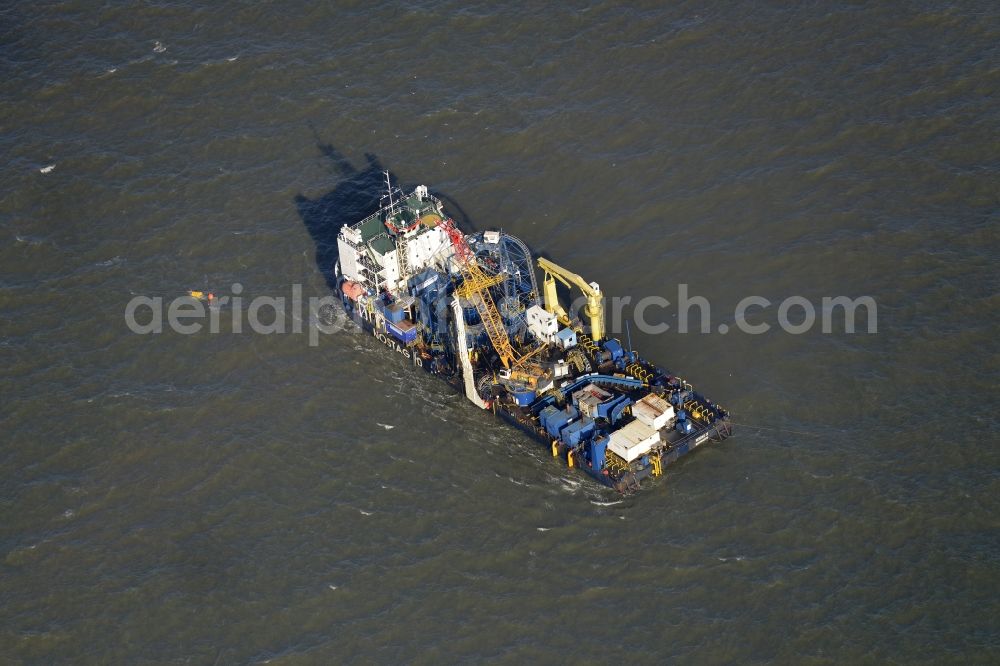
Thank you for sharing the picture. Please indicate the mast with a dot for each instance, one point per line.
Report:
(392, 210)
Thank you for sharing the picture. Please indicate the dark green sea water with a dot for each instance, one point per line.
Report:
(239, 498)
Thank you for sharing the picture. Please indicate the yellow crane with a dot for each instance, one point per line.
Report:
(595, 300)
(476, 286)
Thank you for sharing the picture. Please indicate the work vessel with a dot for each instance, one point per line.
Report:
(469, 309)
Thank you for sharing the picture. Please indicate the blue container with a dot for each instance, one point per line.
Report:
(597, 451)
(567, 338)
(405, 332)
(577, 432)
(555, 420)
(524, 398)
(545, 416)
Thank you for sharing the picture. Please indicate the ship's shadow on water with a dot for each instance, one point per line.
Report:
(355, 196)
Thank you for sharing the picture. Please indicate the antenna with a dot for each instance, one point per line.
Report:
(628, 337)
(388, 187)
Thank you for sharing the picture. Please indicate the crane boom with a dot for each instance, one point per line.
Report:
(595, 300)
(476, 287)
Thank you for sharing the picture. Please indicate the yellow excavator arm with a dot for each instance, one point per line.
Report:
(595, 300)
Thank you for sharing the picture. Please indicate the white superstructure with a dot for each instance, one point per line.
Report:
(386, 249)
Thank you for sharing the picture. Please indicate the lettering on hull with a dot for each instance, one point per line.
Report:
(391, 343)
